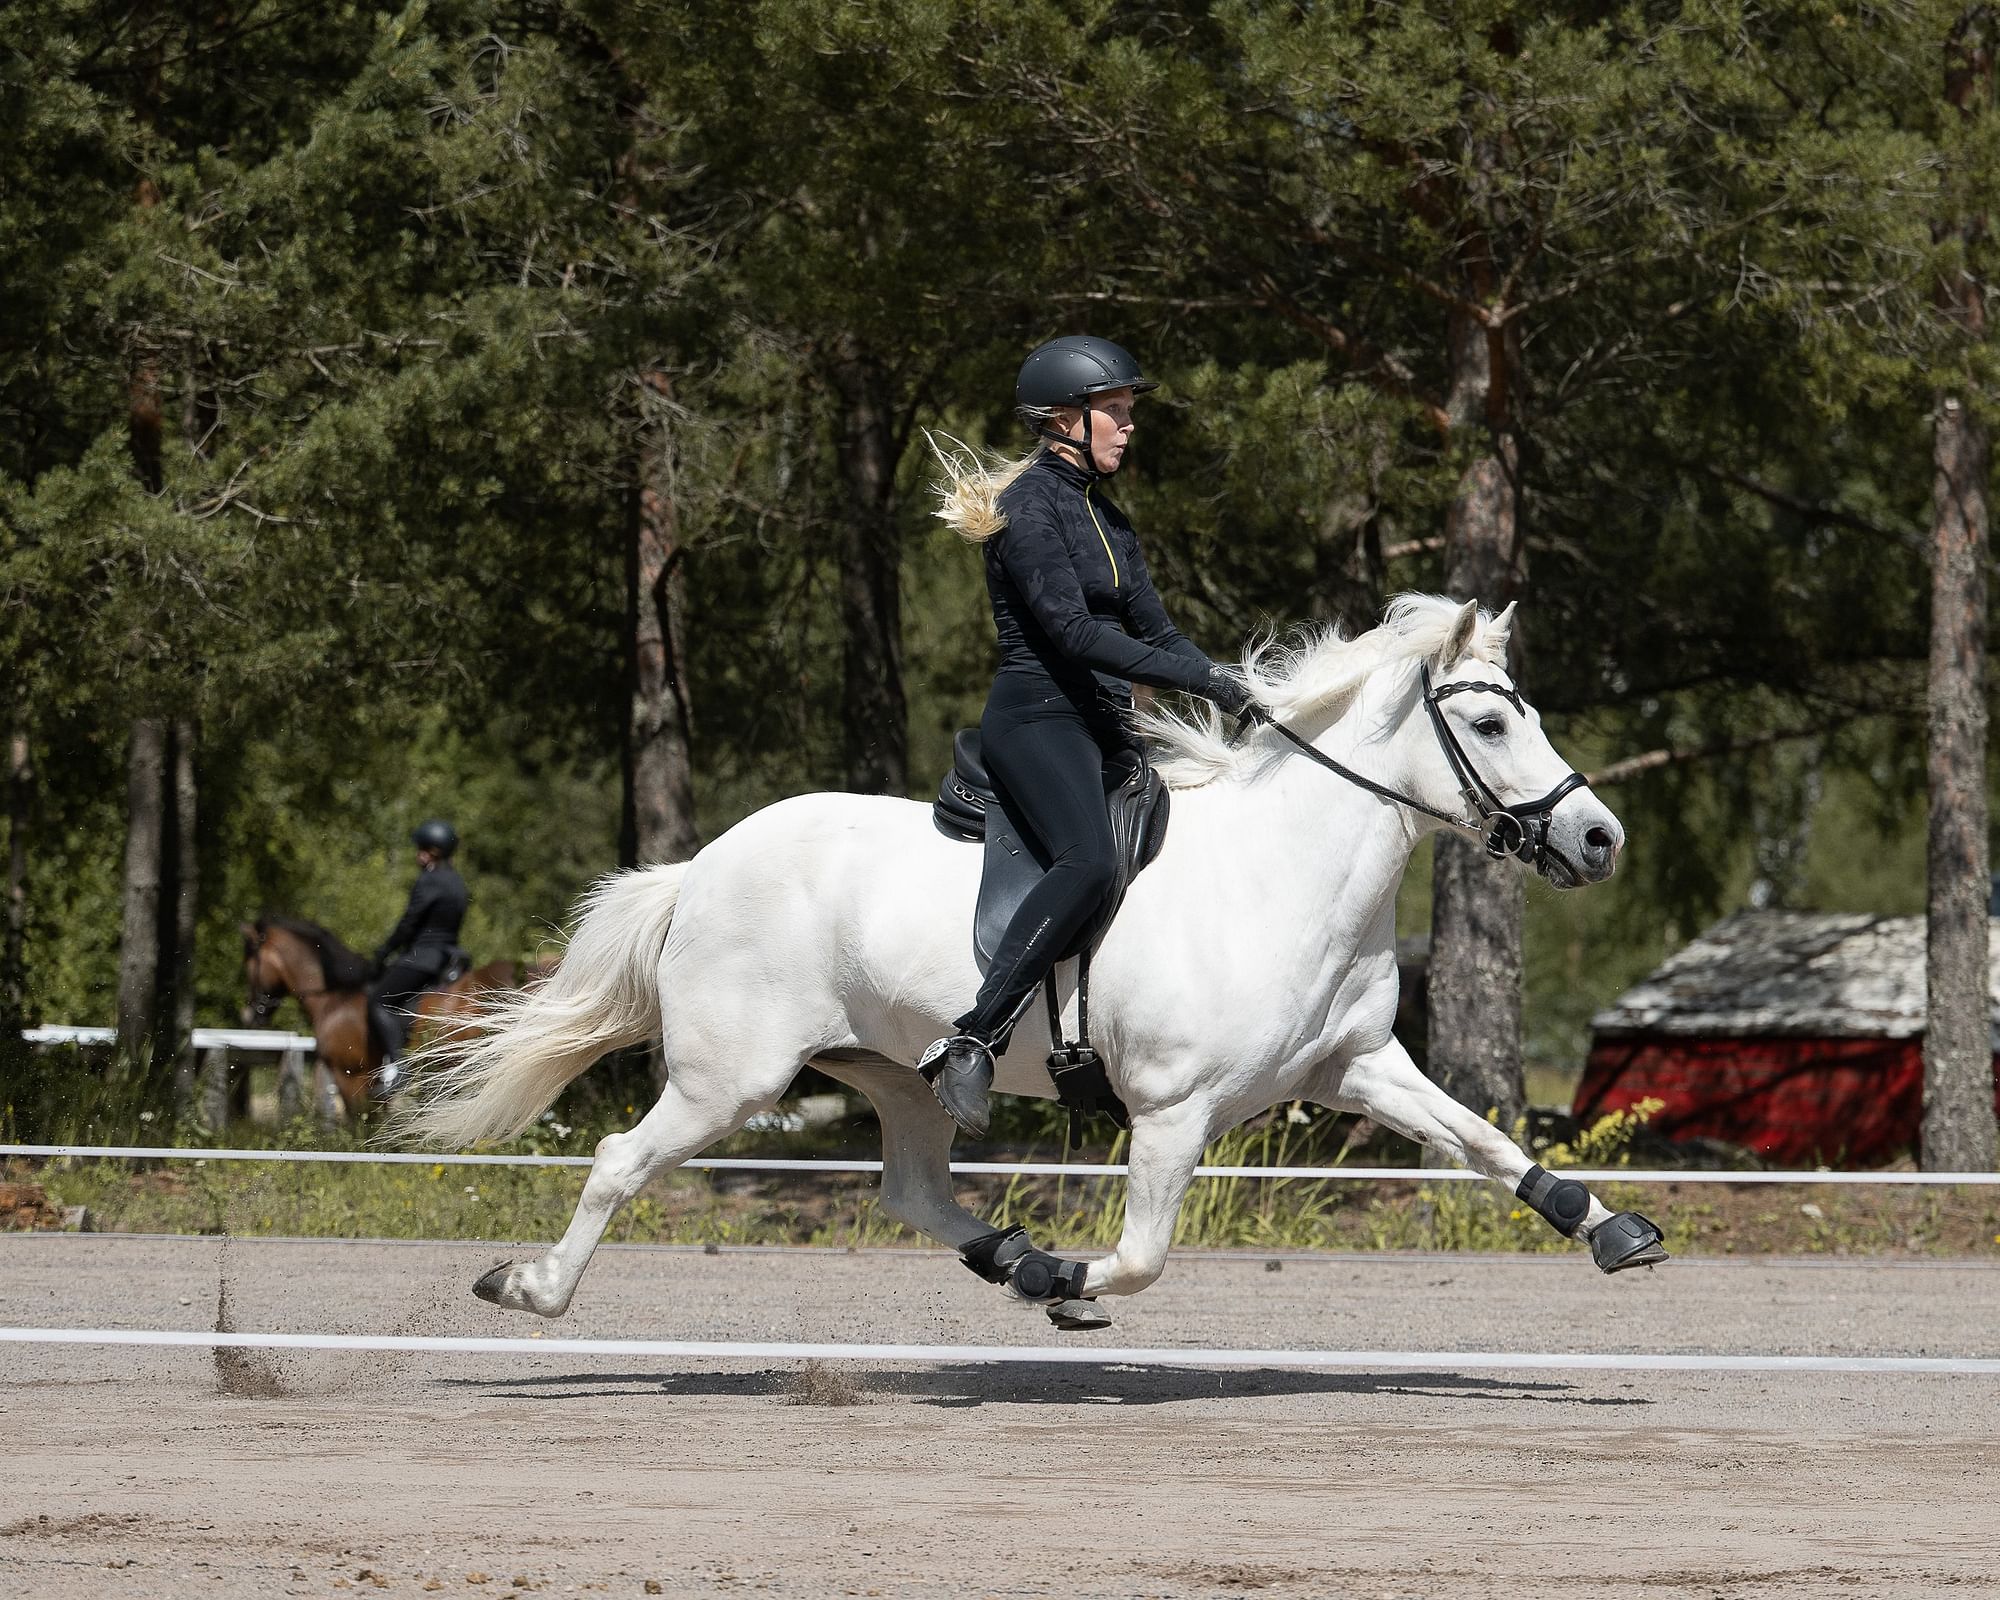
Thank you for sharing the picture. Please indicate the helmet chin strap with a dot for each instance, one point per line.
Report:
(1082, 445)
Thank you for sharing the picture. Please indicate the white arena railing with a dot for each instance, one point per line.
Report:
(203, 1081)
(1002, 1169)
(204, 1038)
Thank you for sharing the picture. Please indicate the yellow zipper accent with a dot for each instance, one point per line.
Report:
(1092, 504)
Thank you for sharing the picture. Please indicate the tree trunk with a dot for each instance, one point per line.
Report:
(1476, 903)
(1959, 1132)
(874, 716)
(659, 761)
(139, 945)
(14, 951)
(178, 921)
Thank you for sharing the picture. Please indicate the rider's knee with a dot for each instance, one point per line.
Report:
(1094, 875)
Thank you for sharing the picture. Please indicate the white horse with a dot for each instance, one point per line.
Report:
(1253, 963)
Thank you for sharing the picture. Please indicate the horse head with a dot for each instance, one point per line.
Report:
(1422, 713)
(1489, 762)
(267, 979)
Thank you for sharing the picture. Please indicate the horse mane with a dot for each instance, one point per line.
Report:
(339, 967)
(1314, 673)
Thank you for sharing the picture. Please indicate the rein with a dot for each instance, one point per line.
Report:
(1361, 781)
(1520, 830)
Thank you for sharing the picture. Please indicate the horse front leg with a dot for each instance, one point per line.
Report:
(1166, 1148)
(350, 1093)
(1386, 1085)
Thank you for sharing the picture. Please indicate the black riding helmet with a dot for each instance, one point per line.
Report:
(435, 835)
(1066, 372)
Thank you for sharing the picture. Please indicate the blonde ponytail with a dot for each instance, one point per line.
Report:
(969, 492)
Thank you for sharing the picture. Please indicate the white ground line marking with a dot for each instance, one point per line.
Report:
(1070, 1354)
(1032, 1169)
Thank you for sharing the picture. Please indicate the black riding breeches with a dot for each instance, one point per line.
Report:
(1047, 761)
(392, 1000)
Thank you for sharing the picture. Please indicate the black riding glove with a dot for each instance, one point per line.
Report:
(1232, 696)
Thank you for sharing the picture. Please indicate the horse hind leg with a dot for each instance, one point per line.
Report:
(916, 1150)
(917, 1191)
(694, 1110)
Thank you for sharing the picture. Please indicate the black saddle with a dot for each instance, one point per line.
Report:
(457, 965)
(970, 807)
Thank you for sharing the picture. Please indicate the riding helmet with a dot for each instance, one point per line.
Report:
(435, 835)
(1063, 371)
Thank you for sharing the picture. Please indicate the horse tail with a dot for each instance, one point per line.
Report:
(503, 1066)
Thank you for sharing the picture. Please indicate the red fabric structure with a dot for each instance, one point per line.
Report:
(1798, 1035)
(1794, 1101)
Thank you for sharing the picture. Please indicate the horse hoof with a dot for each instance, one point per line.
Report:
(1628, 1240)
(492, 1287)
(1079, 1316)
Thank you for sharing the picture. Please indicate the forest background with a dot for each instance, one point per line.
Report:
(515, 412)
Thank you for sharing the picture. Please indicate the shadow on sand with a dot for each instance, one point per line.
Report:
(1052, 1383)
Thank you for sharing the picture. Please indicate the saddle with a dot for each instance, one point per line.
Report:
(457, 964)
(971, 807)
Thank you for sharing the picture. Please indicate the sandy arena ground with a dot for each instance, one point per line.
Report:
(150, 1473)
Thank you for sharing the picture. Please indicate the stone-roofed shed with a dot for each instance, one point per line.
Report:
(1796, 1035)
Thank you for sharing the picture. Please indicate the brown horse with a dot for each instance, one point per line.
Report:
(287, 956)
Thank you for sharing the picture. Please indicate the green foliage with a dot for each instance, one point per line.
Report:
(394, 282)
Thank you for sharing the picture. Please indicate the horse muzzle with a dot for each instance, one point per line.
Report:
(1575, 851)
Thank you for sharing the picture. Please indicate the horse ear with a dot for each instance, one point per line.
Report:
(1501, 629)
(1459, 639)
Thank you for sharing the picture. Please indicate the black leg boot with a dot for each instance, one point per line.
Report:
(392, 1077)
(960, 1072)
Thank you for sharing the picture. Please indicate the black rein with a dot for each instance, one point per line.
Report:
(1520, 830)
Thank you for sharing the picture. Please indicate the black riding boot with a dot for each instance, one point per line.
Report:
(392, 1076)
(960, 1072)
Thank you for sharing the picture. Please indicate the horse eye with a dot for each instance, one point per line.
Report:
(1489, 727)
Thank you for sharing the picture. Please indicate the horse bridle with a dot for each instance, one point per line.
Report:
(263, 1001)
(1520, 830)
(264, 1005)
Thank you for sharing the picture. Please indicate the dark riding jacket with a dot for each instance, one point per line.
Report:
(429, 929)
(1073, 602)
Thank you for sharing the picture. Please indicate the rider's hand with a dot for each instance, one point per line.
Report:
(1232, 696)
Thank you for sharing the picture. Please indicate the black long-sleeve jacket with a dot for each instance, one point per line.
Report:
(431, 920)
(1071, 595)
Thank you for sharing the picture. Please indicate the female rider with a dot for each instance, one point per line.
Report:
(1079, 622)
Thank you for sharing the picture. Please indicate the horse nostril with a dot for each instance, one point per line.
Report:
(1597, 839)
